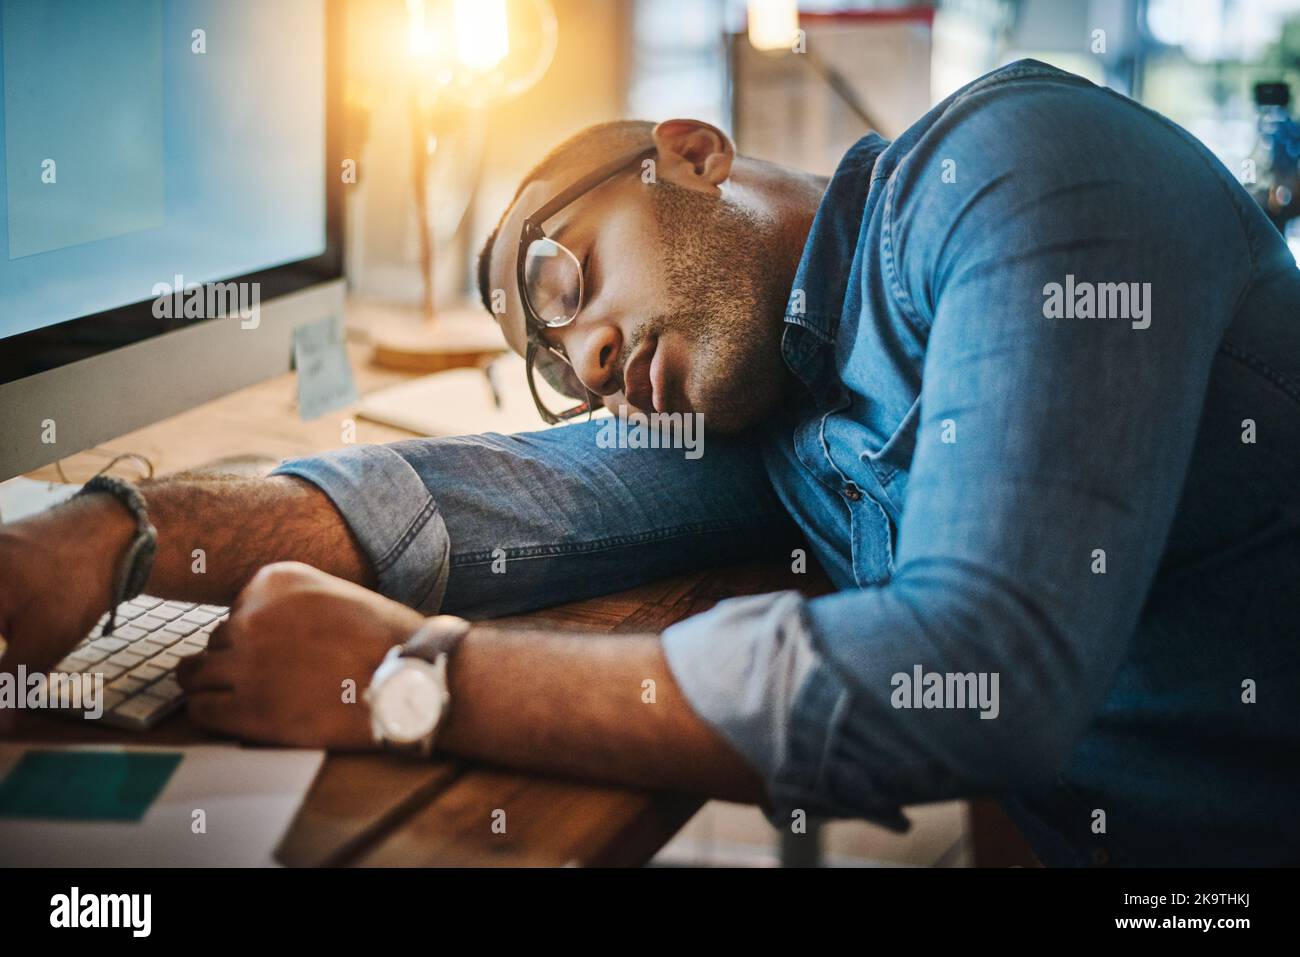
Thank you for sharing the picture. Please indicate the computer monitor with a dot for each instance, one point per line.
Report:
(171, 177)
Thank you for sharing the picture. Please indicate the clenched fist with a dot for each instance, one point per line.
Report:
(291, 664)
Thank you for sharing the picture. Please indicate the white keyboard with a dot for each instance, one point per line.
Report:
(139, 659)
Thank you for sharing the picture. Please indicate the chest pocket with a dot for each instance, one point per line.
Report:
(890, 464)
(877, 515)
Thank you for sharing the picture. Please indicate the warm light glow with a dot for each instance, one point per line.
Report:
(421, 44)
(773, 23)
(482, 38)
(478, 52)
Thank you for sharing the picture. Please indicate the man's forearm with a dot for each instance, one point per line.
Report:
(215, 533)
(57, 567)
(603, 707)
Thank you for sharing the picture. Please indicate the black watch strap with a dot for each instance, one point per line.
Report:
(438, 635)
(137, 562)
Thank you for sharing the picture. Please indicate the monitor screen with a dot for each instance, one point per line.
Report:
(149, 142)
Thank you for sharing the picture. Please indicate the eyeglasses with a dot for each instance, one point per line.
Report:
(550, 281)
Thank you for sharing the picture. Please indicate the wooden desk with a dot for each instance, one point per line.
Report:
(371, 809)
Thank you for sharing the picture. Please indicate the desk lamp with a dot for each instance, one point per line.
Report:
(466, 55)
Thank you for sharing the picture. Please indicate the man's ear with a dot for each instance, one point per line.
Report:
(693, 154)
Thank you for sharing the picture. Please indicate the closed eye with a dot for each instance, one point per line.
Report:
(588, 279)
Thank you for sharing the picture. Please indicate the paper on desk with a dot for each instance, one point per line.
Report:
(248, 798)
(20, 497)
(464, 401)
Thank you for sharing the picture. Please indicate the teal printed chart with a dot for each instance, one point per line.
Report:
(85, 785)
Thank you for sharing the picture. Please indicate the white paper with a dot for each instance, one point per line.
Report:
(20, 497)
(462, 402)
(249, 797)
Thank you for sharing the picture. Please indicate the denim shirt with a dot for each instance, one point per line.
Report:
(1067, 546)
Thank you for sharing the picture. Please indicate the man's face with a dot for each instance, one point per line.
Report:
(683, 298)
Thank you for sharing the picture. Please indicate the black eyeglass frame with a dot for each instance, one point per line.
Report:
(530, 232)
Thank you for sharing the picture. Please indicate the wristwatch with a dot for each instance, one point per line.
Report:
(408, 694)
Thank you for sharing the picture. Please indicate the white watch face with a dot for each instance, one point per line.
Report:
(408, 704)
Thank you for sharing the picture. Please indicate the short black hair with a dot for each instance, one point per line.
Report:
(604, 138)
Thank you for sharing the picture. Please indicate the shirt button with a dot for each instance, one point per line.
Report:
(852, 492)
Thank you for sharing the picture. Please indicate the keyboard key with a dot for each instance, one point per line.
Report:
(147, 647)
(127, 685)
(180, 627)
(147, 673)
(168, 689)
(92, 654)
(200, 617)
(141, 710)
(108, 670)
(109, 645)
(199, 638)
(128, 611)
(166, 660)
(128, 632)
(149, 622)
(214, 609)
(73, 663)
(127, 658)
(112, 699)
(167, 612)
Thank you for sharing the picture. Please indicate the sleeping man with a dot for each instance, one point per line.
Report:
(1025, 381)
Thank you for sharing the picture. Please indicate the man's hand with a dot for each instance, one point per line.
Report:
(56, 574)
(292, 662)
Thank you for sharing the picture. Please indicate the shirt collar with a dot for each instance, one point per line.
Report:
(817, 295)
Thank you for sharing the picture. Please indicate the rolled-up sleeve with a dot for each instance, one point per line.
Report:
(750, 668)
(489, 525)
(392, 515)
(745, 683)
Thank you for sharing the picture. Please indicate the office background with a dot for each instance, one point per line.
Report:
(1196, 61)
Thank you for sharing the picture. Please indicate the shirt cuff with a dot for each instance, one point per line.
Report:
(391, 514)
(740, 666)
(750, 668)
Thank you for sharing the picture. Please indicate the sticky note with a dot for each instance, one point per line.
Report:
(86, 785)
(324, 375)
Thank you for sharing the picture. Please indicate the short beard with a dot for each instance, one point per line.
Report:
(728, 296)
